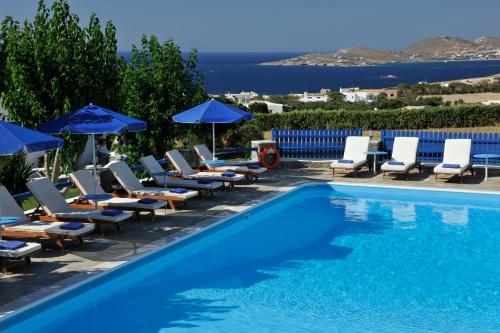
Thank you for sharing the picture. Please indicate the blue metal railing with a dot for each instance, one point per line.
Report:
(312, 143)
(431, 144)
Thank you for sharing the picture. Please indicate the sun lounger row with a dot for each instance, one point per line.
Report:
(62, 221)
(456, 156)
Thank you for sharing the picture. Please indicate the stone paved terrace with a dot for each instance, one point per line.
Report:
(52, 269)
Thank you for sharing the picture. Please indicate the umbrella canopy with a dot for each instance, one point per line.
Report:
(212, 112)
(16, 140)
(93, 119)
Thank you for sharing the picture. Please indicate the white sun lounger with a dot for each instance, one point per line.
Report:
(404, 156)
(36, 229)
(456, 158)
(354, 155)
(152, 166)
(84, 181)
(57, 208)
(241, 167)
(136, 189)
(21, 254)
(182, 166)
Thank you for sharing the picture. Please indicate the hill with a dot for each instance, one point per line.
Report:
(442, 48)
(440, 45)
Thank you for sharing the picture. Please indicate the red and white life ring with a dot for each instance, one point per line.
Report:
(269, 157)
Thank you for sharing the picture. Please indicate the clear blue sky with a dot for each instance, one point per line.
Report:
(272, 25)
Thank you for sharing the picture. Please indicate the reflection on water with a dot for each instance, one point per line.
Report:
(401, 214)
(404, 216)
(355, 210)
(452, 215)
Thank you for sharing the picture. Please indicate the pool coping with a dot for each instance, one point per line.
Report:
(32, 300)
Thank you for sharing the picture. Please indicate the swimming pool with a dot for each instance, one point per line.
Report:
(319, 258)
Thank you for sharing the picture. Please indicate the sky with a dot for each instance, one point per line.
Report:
(283, 26)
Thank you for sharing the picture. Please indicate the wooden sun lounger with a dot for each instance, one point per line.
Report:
(84, 182)
(136, 189)
(37, 229)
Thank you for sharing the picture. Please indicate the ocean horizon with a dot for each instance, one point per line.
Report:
(240, 71)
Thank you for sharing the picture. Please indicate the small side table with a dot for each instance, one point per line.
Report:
(486, 157)
(375, 154)
(6, 220)
(96, 198)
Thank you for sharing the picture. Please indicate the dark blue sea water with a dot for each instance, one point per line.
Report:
(235, 72)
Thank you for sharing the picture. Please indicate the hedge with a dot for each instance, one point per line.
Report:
(440, 117)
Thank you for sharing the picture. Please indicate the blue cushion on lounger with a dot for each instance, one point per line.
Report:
(451, 166)
(148, 201)
(346, 161)
(396, 163)
(206, 182)
(177, 190)
(112, 212)
(11, 245)
(72, 226)
(229, 174)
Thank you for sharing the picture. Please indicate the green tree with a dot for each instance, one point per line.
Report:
(258, 108)
(54, 66)
(158, 83)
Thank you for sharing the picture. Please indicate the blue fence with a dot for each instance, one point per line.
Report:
(431, 144)
(306, 143)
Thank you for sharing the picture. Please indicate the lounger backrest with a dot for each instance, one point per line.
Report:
(204, 153)
(405, 149)
(457, 151)
(9, 206)
(84, 181)
(125, 176)
(152, 166)
(180, 163)
(356, 148)
(47, 195)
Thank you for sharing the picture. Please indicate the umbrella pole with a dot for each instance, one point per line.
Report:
(94, 163)
(213, 141)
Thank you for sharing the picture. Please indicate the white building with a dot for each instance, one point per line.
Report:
(357, 95)
(244, 97)
(314, 97)
(273, 107)
(491, 102)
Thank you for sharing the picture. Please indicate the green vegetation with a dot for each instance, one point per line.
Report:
(53, 66)
(31, 202)
(157, 84)
(415, 90)
(440, 117)
(14, 172)
(337, 102)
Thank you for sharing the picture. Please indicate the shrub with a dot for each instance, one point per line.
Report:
(14, 173)
(452, 116)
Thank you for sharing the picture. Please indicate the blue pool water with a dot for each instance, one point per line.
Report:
(319, 259)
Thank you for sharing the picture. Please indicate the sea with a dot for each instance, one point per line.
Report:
(235, 72)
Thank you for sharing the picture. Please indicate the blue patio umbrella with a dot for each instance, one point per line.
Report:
(92, 120)
(16, 140)
(212, 112)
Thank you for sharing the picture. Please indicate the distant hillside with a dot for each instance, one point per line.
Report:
(431, 49)
(440, 45)
(488, 42)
